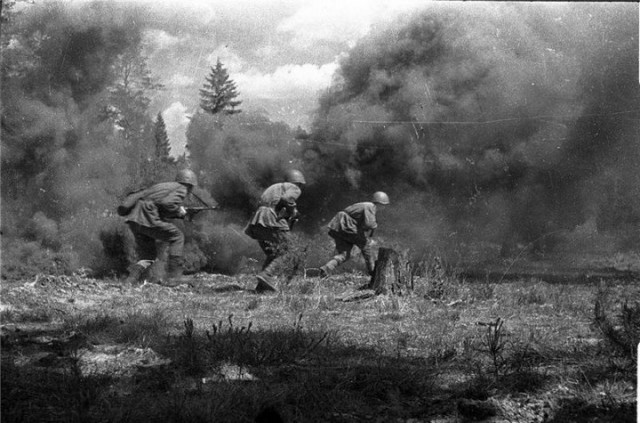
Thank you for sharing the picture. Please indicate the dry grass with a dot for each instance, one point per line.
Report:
(453, 350)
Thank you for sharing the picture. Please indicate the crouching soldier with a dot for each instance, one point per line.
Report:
(147, 212)
(271, 225)
(354, 225)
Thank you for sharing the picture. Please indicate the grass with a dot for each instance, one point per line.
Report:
(452, 350)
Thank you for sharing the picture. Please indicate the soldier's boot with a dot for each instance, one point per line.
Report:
(317, 272)
(175, 272)
(265, 283)
(329, 267)
(371, 267)
(135, 272)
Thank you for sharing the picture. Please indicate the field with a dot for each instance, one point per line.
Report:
(76, 349)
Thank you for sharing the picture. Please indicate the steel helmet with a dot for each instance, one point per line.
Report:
(295, 177)
(187, 177)
(380, 197)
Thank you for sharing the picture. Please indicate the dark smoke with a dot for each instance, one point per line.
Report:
(62, 163)
(501, 123)
(489, 125)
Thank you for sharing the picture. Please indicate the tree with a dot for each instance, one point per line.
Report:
(163, 147)
(219, 92)
(127, 107)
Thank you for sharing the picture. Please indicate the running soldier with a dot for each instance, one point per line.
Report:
(353, 226)
(146, 212)
(271, 225)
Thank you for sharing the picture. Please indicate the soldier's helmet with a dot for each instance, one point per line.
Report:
(380, 197)
(295, 177)
(187, 177)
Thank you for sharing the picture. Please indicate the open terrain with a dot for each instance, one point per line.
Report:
(455, 349)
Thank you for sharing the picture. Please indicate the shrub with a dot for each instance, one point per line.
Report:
(25, 259)
(620, 331)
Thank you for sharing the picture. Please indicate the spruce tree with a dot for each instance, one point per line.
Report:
(163, 146)
(219, 92)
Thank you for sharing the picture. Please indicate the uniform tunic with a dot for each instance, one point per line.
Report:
(276, 204)
(347, 228)
(159, 202)
(148, 223)
(355, 219)
(269, 225)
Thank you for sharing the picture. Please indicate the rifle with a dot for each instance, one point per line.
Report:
(291, 220)
(192, 211)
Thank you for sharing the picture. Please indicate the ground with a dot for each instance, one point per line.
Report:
(453, 350)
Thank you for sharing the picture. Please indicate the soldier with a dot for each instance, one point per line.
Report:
(350, 227)
(272, 223)
(146, 215)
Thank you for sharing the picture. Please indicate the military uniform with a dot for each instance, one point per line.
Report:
(147, 219)
(349, 228)
(147, 212)
(271, 223)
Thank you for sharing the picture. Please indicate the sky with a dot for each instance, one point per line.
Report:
(280, 53)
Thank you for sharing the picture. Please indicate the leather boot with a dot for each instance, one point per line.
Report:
(135, 271)
(175, 271)
(329, 267)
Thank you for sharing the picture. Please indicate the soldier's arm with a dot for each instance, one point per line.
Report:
(369, 219)
(173, 202)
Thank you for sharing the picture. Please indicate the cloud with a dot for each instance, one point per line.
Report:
(180, 80)
(229, 58)
(176, 119)
(339, 21)
(288, 81)
(159, 39)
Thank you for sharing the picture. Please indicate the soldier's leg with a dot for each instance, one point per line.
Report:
(280, 247)
(269, 249)
(174, 238)
(140, 250)
(265, 239)
(343, 253)
(367, 254)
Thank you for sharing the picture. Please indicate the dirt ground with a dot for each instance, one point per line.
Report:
(414, 356)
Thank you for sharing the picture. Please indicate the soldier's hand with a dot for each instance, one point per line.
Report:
(182, 212)
(191, 213)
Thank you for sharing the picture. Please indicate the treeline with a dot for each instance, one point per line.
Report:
(78, 133)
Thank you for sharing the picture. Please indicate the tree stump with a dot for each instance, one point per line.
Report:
(392, 271)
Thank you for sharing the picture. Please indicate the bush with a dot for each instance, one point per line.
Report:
(25, 259)
(620, 331)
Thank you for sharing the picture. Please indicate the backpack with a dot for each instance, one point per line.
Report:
(130, 201)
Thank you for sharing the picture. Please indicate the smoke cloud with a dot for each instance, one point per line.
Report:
(62, 163)
(489, 125)
(502, 123)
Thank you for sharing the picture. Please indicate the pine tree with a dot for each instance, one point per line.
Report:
(219, 92)
(127, 106)
(163, 147)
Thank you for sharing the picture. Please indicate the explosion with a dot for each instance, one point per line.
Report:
(493, 125)
(504, 123)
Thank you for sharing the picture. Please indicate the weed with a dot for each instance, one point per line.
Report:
(481, 291)
(620, 331)
(494, 343)
(190, 356)
(438, 279)
(530, 295)
(230, 343)
(136, 327)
